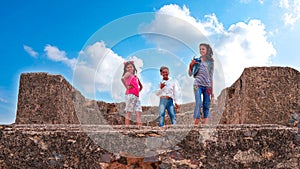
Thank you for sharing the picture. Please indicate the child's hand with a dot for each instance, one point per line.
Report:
(192, 64)
(162, 85)
(208, 90)
(176, 106)
(129, 87)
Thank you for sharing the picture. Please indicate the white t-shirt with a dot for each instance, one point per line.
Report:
(168, 90)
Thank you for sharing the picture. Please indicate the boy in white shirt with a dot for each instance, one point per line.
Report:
(167, 94)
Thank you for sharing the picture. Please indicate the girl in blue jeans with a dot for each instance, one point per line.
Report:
(203, 82)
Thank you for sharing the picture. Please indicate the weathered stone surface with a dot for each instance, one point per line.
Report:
(68, 146)
(47, 133)
(50, 99)
(45, 98)
(262, 95)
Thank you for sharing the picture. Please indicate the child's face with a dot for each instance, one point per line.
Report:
(165, 73)
(202, 50)
(130, 68)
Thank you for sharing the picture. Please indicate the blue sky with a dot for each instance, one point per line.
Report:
(87, 42)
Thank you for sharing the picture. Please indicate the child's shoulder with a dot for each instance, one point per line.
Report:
(126, 75)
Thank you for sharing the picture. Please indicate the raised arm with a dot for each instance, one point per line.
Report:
(140, 84)
(191, 67)
(123, 79)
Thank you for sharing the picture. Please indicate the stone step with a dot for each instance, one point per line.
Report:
(177, 146)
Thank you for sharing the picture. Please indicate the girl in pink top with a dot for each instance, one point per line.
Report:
(133, 87)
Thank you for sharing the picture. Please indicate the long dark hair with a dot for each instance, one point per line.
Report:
(129, 63)
(209, 51)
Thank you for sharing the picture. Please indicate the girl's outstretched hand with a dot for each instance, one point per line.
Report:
(192, 64)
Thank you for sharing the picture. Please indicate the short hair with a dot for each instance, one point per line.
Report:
(163, 67)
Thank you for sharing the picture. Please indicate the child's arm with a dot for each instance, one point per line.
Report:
(191, 67)
(123, 79)
(158, 91)
(140, 84)
(175, 94)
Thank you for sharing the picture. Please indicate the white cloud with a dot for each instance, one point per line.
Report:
(96, 68)
(53, 53)
(248, 1)
(245, 1)
(213, 25)
(284, 3)
(180, 27)
(241, 45)
(146, 94)
(185, 89)
(30, 51)
(2, 100)
(292, 8)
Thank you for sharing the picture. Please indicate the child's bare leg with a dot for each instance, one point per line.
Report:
(205, 120)
(196, 121)
(138, 119)
(127, 118)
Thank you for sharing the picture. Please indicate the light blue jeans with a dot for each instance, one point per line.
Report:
(166, 104)
(205, 91)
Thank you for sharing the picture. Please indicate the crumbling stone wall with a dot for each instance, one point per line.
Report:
(47, 135)
(50, 99)
(262, 95)
(45, 99)
(229, 146)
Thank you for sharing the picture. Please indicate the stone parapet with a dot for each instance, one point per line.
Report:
(74, 146)
(45, 99)
(261, 95)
